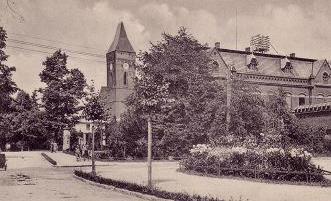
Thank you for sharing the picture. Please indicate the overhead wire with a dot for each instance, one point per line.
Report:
(45, 52)
(54, 48)
(51, 40)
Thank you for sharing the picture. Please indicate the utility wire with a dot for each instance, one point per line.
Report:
(21, 42)
(50, 40)
(48, 53)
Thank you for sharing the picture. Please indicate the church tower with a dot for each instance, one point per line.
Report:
(120, 72)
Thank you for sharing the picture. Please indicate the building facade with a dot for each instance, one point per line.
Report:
(306, 81)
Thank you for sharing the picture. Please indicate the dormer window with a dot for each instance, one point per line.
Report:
(286, 65)
(252, 62)
(325, 77)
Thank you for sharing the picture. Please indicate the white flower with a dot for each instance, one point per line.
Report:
(239, 150)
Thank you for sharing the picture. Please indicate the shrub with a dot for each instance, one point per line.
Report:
(49, 159)
(272, 163)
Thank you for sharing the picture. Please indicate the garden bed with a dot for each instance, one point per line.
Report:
(272, 164)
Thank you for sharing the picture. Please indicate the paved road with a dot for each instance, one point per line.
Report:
(30, 177)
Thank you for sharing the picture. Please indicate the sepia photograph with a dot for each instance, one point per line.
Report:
(165, 100)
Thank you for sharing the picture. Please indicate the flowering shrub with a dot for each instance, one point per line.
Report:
(271, 163)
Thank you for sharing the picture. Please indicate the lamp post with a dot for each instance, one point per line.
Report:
(149, 152)
(93, 160)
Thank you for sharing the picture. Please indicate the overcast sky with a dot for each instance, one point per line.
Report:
(300, 26)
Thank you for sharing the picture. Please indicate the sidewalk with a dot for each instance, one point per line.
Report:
(67, 160)
(166, 177)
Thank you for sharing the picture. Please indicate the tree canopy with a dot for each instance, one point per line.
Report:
(62, 94)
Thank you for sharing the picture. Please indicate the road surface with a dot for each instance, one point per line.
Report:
(30, 177)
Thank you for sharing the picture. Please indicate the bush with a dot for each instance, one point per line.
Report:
(143, 189)
(273, 163)
(49, 159)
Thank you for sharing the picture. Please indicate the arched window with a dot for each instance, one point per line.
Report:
(215, 66)
(320, 98)
(125, 78)
(325, 77)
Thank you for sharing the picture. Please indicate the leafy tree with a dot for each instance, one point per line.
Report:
(247, 112)
(175, 87)
(28, 122)
(93, 108)
(62, 94)
(7, 89)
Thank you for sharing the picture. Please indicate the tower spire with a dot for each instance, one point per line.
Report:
(121, 41)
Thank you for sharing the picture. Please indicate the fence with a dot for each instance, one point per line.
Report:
(272, 174)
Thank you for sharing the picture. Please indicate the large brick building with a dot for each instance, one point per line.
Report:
(306, 81)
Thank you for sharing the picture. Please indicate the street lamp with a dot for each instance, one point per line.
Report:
(93, 160)
(149, 151)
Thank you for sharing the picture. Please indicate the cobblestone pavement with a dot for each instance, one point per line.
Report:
(38, 181)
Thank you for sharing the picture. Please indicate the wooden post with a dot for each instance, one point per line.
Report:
(93, 159)
(149, 154)
(228, 99)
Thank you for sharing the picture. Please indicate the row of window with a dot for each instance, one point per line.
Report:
(302, 99)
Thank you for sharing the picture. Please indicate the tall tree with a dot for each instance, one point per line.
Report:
(175, 87)
(62, 94)
(7, 89)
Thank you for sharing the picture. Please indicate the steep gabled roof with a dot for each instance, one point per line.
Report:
(268, 64)
(318, 65)
(121, 41)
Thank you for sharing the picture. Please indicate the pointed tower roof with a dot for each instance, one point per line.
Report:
(121, 41)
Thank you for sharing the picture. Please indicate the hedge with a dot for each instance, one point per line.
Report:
(49, 159)
(143, 189)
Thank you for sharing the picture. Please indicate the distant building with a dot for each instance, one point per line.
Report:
(85, 128)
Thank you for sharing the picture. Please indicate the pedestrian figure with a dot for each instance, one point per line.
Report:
(77, 153)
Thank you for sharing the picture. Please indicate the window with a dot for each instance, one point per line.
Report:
(215, 66)
(253, 64)
(288, 100)
(88, 127)
(302, 101)
(125, 77)
(325, 77)
(320, 98)
(286, 65)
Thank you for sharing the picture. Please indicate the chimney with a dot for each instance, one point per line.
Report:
(217, 45)
(292, 55)
(248, 49)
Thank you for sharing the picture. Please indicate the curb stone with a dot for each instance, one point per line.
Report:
(123, 191)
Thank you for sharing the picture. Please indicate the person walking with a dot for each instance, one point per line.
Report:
(77, 153)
